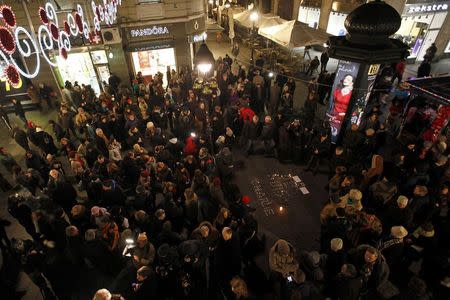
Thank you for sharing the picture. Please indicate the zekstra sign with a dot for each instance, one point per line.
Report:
(426, 8)
(51, 35)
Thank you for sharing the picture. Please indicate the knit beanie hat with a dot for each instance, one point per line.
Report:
(336, 244)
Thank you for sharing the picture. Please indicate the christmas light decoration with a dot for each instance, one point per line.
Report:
(7, 43)
(49, 36)
(43, 15)
(54, 31)
(8, 16)
(12, 75)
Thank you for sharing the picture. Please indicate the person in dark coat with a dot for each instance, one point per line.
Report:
(347, 284)
(424, 69)
(45, 141)
(372, 268)
(145, 288)
(102, 142)
(7, 160)
(397, 214)
(320, 150)
(20, 136)
(250, 133)
(394, 250)
(324, 58)
(18, 110)
(31, 180)
(96, 252)
(130, 170)
(268, 135)
(57, 129)
(112, 194)
(228, 256)
(36, 162)
(61, 191)
(336, 257)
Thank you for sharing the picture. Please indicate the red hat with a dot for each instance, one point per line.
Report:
(246, 200)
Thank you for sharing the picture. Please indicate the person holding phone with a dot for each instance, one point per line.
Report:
(282, 263)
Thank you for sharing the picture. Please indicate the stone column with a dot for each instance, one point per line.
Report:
(399, 5)
(443, 38)
(325, 11)
(295, 9)
(275, 6)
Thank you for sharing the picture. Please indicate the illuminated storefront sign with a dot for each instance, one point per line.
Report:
(49, 35)
(425, 8)
(155, 30)
(198, 37)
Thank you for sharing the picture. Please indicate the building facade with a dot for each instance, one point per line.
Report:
(423, 21)
(121, 37)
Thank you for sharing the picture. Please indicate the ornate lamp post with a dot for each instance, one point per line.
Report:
(254, 16)
(361, 53)
(204, 59)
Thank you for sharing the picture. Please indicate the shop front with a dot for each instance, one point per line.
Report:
(84, 67)
(421, 23)
(159, 47)
(152, 58)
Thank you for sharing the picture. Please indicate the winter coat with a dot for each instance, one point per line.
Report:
(280, 264)
(227, 258)
(20, 137)
(145, 255)
(380, 270)
(45, 142)
(346, 288)
(211, 240)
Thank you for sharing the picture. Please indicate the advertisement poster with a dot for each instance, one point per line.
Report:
(340, 98)
(363, 96)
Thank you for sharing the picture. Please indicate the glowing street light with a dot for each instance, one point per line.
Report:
(254, 16)
(204, 59)
(227, 4)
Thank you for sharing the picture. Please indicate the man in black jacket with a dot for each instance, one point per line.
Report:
(320, 150)
(18, 109)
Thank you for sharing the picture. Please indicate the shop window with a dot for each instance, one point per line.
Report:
(150, 62)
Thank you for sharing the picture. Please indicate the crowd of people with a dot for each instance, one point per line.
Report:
(148, 197)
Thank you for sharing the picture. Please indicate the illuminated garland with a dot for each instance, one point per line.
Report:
(12, 75)
(49, 36)
(8, 16)
(7, 43)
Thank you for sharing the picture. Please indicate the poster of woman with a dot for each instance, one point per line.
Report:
(341, 95)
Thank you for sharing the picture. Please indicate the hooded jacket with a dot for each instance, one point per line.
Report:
(282, 264)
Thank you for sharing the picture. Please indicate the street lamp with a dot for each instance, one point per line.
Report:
(204, 59)
(227, 4)
(253, 17)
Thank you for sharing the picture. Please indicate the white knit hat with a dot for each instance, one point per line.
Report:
(398, 232)
(336, 244)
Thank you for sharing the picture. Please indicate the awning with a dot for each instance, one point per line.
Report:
(294, 34)
(437, 88)
(150, 45)
(264, 20)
